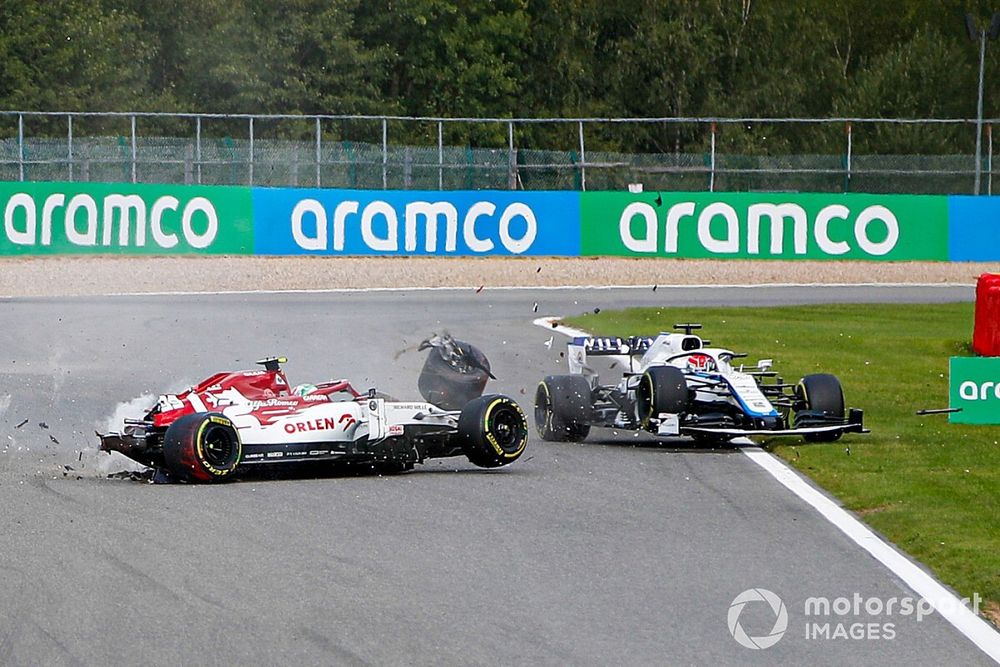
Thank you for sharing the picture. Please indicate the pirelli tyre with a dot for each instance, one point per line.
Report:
(819, 401)
(202, 447)
(450, 386)
(493, 431)
(563, 408)
(662, 389)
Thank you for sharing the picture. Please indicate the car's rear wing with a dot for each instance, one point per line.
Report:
(626, 351)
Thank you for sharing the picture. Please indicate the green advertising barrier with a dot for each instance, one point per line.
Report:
(764, 226)
(77, 218)
(974, 386)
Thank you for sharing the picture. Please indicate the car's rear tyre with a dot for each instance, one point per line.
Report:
(202, 447)
(493, 431)
(563, 408)
(818, 396)
(448, 388)
(661, 389)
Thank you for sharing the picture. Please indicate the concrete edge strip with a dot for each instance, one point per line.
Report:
(475, 288)
(946, 603)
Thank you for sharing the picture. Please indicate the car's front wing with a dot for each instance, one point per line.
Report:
(736, 432)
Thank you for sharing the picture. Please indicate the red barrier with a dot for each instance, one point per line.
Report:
(986, 334)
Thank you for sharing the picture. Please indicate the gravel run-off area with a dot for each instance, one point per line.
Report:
(100, 275)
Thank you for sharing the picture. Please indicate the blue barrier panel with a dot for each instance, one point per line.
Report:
(974, 229)
(296, 221)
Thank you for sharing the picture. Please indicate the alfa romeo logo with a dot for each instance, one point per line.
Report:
(780, 618)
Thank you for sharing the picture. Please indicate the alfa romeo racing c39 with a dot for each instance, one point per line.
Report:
(234, 421)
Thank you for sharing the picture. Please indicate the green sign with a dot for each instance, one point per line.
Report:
(764, 226)
(120, 218)
(975, 387)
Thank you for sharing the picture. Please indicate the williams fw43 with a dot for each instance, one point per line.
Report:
(239, 420)
(677, 385)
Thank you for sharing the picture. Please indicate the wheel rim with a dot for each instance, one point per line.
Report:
(219, 447)
(644, 398)
(506, 426)
(543, 407)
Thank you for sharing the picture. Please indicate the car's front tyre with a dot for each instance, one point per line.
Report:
(662, 389)
(493, 431)
(819, 398)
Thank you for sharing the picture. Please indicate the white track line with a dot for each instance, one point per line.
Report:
(944, 601)
(552, 324)
(554, 288)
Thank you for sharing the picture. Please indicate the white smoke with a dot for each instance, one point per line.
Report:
(111, 462)
(108, 463)
(135, 408)
(4, 404)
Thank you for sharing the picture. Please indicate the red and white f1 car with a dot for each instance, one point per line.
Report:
(236, 420)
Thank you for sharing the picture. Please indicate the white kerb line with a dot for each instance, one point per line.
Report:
(946, 603)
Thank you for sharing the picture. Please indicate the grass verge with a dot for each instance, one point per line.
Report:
(931, 487)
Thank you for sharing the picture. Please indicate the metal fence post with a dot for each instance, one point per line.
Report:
(69, 144)
(711, 178)
(251, 150)
(134, 155)
(979, 113)
(850, 154)
(319, 154)
(989, 159)
(20, 146)
(583, 161)
(197, 147)
(440, 155)
(511, 157)
(385, 153)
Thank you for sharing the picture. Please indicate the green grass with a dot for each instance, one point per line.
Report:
(931, 487)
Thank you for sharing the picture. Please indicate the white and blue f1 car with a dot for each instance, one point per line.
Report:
(676, 385)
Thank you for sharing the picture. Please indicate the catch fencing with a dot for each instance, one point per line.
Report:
(403, 153)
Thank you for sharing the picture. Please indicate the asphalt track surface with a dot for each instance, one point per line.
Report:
(617, 551)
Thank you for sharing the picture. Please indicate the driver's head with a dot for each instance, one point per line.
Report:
(701, 362)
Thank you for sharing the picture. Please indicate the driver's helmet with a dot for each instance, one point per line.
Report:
(303, 389)
(700, 363)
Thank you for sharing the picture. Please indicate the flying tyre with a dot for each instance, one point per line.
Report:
(202, 447)
(819, 402)
(563, 408)
(493, 431)
(454, 373)
(661, 389)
